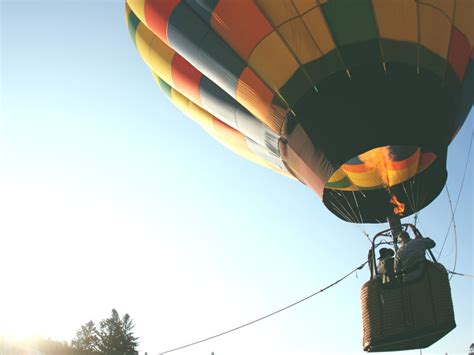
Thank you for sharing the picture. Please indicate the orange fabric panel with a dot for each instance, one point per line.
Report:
(435, 28)
(464, 18)
(298, 38)
(277, 11)
(273, 61)
(256, 97)
(229, 135)
(242, 26)
(319, 30)
(186, 78)
(396, 19)
(304, 5)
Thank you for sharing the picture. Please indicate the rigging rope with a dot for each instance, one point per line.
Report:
(459, 195)
(266, 316)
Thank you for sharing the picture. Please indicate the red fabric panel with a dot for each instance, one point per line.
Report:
(240, 24)
(185, 78)
(157, 14)
(459, 52)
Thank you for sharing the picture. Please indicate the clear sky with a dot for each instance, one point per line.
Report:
(112, 198)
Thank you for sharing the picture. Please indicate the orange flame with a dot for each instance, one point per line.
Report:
(399, 207)
(376, 160)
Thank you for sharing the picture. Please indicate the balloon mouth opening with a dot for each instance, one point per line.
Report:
(385, 182)
(381, 168)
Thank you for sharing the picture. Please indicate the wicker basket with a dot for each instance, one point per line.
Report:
(408, 316)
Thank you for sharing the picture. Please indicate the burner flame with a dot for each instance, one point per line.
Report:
(399, 207)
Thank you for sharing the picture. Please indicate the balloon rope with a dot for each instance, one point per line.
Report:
(268, 315)
(459, 194)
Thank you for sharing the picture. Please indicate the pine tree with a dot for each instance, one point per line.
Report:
(115, 335)
(86, 338)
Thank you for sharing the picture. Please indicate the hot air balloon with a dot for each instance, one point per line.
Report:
(357, 99)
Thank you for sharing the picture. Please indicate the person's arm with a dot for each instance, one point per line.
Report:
(429, 243)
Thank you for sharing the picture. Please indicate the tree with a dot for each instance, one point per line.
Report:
(115, 336)
(86, 338)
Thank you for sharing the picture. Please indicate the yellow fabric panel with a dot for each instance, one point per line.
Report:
(161, 57)
(339, 174)
(318, 28)
(277, 11)
(397, 176)
(365, 179)
(435, 29)
(247, 154)
(155, 53)
(304, 5)
(196, 113)
(273, 61)
(299, 40)
(464, 18)
(396, 19)
(373, 178)
(138, 7)
(446, 6)
(206, 121)
(143, 37)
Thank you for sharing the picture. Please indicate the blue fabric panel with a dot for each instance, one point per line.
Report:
(133, 22)
(217, 101)
(265, 154)
(203, 8)
(227, 109)
(191, 37)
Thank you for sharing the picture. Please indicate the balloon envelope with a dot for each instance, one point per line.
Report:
(359, 100)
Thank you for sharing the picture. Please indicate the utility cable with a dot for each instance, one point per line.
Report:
(266, 316)
(459, 274)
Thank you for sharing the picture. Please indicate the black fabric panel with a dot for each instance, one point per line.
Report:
(321, 68)
(361, 53)
(350, 116)
(432, 62)
(203, 8)
(296, 87)
(401, 52)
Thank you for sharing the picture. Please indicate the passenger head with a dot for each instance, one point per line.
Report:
(385, 253)
(403, 237)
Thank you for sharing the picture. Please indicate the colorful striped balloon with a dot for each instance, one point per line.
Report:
(359, 100)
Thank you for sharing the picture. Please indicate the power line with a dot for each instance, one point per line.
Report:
(459, 274)
(266, 316)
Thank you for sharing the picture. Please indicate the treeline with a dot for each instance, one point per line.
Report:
(112, 336)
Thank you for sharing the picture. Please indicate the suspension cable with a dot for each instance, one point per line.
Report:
(266, 316)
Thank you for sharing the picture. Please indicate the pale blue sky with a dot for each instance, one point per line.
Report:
(110, 197)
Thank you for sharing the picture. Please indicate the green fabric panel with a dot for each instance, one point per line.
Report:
(133, 22)
(325, 66)
(367, 52)
(165, 87)
(341, 184)
(296, 87)
(432, 62)
(350, 20)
